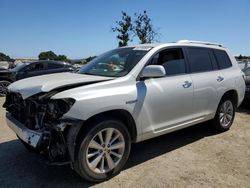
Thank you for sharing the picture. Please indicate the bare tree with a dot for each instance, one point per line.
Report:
(144, 29)
(124, 29)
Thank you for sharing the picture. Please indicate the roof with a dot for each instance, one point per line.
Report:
(181, 43)
(198, 42)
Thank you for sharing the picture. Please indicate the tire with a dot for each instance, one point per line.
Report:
(224, 117)
(87, 154)
(3, 87)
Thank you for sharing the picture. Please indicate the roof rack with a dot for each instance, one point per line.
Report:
(199, 42)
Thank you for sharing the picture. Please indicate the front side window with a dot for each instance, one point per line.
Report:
(222, 59)
(199, 60)
(115, 63)
(172, 60)
(35, 67)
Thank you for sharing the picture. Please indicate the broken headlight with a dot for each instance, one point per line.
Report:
(58, 107)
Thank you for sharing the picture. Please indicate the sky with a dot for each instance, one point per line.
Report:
(82, 28)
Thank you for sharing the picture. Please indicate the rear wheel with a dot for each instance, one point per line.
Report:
(103, 151)
(3, 87)
(224, 117)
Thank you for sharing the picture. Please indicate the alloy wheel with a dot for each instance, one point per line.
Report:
(105, 150)
(226, 113)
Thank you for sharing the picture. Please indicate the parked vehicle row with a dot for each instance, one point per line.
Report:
(247, 78)
(243, 64)
(127, 95)
(245, 67)
(31, 69)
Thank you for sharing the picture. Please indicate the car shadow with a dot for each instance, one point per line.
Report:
(155, 147)
(18, 167)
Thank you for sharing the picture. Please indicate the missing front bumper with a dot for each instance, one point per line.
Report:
(31, 137)
(58, 142)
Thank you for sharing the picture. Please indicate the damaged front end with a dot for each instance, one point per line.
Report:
(39, 122)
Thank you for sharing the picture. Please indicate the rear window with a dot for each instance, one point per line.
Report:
(199, 60)
(222, 59)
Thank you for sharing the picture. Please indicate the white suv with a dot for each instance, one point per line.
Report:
(126, 95)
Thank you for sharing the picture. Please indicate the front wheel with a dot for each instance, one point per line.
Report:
(103, 150)
(224, 117)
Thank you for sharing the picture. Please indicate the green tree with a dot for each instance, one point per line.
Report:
(144, 29)
(90, 58)
(49, 55)
(124, 29)
(4, 57)
(62, 58)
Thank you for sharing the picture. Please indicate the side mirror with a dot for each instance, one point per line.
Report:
(153, 71)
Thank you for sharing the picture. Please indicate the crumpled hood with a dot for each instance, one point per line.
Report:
(31, 86)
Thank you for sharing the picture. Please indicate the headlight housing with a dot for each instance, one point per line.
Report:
(58, 107)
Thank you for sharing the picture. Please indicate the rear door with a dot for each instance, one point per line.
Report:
(229, 75)
(206, 81)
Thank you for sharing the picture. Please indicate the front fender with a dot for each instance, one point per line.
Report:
(94, 99)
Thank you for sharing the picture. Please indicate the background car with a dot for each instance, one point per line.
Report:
(26, 70)
(247, 74)
(243, 64)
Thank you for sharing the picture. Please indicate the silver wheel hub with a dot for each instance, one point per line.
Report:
(226, 113)
(105, 150)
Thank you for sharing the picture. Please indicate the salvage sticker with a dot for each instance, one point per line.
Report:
(146, 48)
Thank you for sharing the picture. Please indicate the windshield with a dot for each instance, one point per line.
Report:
(115, 63)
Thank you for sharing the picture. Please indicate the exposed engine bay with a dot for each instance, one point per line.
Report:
(40, 113)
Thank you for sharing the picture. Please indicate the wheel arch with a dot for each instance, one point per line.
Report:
(8, 80)
(232, 94)
(120, 114)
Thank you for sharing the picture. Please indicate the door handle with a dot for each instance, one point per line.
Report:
(186, 84)
(220, 78)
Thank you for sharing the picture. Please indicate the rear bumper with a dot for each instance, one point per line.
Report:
(31, 137)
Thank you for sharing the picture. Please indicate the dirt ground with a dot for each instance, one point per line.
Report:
(193, 157)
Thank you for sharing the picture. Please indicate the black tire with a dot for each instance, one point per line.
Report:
(218, 125)
(81, 165)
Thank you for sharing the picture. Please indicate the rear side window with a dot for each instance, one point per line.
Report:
(54, 65)
(199, 60)
(222, 59)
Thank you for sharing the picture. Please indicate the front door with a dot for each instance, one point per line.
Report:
(168, 100)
